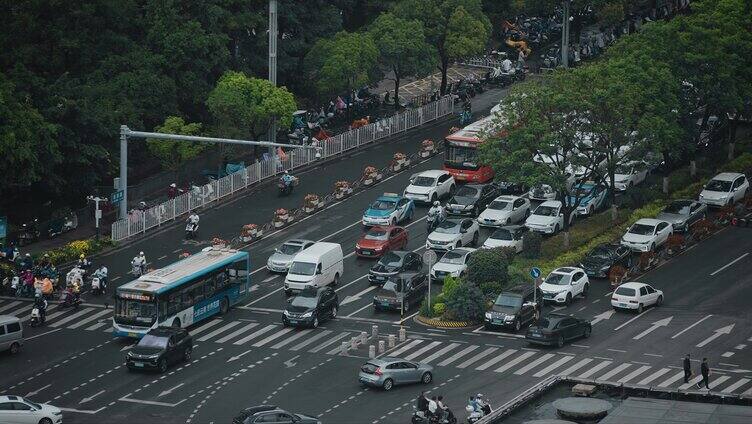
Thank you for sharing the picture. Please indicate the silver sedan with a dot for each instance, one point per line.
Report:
(282, 257)
(387, 372)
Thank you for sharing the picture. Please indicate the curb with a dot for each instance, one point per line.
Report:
(439, 323)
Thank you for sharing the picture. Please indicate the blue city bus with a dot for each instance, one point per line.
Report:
(183, 293)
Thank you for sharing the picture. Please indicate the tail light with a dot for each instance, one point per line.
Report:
(378, 372)
(632, 301)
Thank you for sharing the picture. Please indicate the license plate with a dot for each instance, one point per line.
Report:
(381, 278)
(384, 303)
(138, 364)
(293, 321)
(366, 252)
(132, 335)
(497, 321)
(489, 221)
(622, 305)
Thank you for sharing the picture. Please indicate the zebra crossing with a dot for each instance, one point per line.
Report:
(86, 317)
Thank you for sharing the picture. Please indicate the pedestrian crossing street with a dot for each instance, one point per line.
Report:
(460, 355)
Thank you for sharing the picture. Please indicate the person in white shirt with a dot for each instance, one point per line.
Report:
(432, 406)
(506, 65)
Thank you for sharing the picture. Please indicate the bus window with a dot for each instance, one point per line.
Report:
(221, 279)
(239, 269)
(209, 286)
(198, 292)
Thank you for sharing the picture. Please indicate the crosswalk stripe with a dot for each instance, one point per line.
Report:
(445, 349)
(514, 362)
(55, 314)
(718, 381)
(533, 364)
(693, 381)
(748, 391)
(422, 350)
(70, 317)
(457, 355)
(292, 339)
(653, 376)
(97, 325)
(576, 366)
(25, 316)
(255, 334)
(634, 373)
(209, 324)
(613, 372)
(10, 305)
(477, 356)
(329, 342)
(563, 360)
(21, 310)
(731, 388)
(595, 369)
(406, 347)
(219, 330)
(90, 319)
(673, 379)
(496, 359)
(239, 331)
(310, 340)
(276, 335)
(108, 330)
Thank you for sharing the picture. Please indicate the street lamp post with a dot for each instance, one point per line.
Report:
(565, 35)
(97, 211)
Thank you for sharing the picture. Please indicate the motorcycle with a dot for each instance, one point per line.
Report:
(137, 269)
(286, 188)
(63, 225)
(29, 233)
(37, 318)
(74, 274)
(96, 286)
(475, 416)
(433, 220)
(191, 229)
(70, 299)
(420, 417)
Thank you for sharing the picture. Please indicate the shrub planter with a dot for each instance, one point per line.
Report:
(342, 189)
(311, 203)
(442, 323)
(281, 217)
(427, 148)
(249, 232)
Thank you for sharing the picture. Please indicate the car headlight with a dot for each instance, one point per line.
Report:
(378, 248)
(489, 315)
(307, 315)
(357, 246)
(285, 313)
(605, 267)
(508, 318)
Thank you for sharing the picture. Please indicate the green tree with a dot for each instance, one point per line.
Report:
(343, 62)
(457, 28)
(173, 153)
(466, 302)
(488, 265)
(402, 48)
(243, 106)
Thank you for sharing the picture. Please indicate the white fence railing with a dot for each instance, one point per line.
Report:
(138, 222)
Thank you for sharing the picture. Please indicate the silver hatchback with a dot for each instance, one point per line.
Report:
(387, 372)
(282, 257)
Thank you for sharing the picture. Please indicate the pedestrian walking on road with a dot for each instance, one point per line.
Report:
(705, 371)
(687, 369)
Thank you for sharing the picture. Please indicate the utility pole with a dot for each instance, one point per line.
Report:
(97, 211)
(273, 63)
(565, 35)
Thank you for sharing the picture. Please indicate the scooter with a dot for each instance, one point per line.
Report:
(286, 188)
(475, 416)
(70, 299)
(433, 220)
(420, 417)
(96, 286)
(29, 233)
(37, 318)
(191, 229)
(137, 269)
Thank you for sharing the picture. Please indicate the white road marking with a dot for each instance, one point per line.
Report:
(676, 377)
(209, 324)
(595, 369)
(406, 347)
(514, 362)
(533, 364)
(634, 373)
(422, 350)
(729, 264)
(654, 326)
(445, 349)
(614, 371)
(331, 341)
(727, 354)
(292, 339)
(653, 376)
(368, 305)
(576, 366)
(42, 334)
(691, 326)
(458, 355)
(320, 335)
(731, 388)
(631, 320)
(218, 330)
(255, 334)
(717, 333)
(91, 318)
(563, 360)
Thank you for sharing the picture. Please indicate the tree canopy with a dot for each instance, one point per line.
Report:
(343, 62)
(173, 153)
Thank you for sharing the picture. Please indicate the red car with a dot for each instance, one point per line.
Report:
(379, 240)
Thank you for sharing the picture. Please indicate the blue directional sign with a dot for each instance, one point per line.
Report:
(117, 196)
(535, 272)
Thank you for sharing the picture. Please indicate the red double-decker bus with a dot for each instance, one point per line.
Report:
(461, 153)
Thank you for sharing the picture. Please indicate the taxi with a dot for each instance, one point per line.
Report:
(379, 240)
(389, 209)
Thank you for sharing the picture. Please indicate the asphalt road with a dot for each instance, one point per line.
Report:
(247, 358)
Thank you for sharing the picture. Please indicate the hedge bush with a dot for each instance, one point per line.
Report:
(74, 249)
(531, 245)
(742, 163)
(466, 303)
(487, 265)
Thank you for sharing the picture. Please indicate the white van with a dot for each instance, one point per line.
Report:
(11, 334)
(316, 266)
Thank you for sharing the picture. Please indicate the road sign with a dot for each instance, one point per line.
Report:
(429, 256)
(3, 227)
(535, 272)
(116, 196)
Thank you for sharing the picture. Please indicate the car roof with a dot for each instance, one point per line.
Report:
(507, 197)
(298, 241)
(632, 285)
(313, 291)
(553, 203)
(389, 197)
(566, 270)
(10, 398)
(386, 360)
(727, 176)
(256, 409)
(462, 250)
(400, 253)
(433, 173)
(383, 227)
(649, 221)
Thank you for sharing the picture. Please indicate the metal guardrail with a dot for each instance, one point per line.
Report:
(138, 221)
(482, 63)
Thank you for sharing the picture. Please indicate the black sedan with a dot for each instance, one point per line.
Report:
(310, 307)
(160, 348)
(555, 329)
(392, 263)
(472, 199)
(401, 292)
(598, 262)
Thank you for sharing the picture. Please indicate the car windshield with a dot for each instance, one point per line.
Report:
(390, 259)
(546, 323)
(383, 205)
(626, 291)
(508, 301)
(466, 191)
(377, 234)
(680, 208)
(642, 230)
(500, 205)
(34, 404)
(290, 248)
(546, 211)
(502, 234)
(718, 185)
(152, 341)
(304, 301)
(424, 181)
(557, 279)
(601, 253)
(583, 191)
(302, 268)
(448, 227)
(393, 286)
(453, 257)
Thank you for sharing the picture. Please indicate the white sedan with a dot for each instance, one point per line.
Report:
(453, 263)
(505, 210)
(563, 284)
(429, 186)
(510, 236)
(636, 296)
(547, 218)
(646, 234)
(630, 174)
(453, 233)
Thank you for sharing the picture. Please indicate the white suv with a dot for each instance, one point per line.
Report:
(18, 409)
(563, 284)
(725, 189)
(429, 186)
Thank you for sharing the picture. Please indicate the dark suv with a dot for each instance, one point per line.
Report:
(410, 285)
(159, 348)
(514, 308)
(310, 307)
(472, 199)
(392, 263)
(270, 414)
